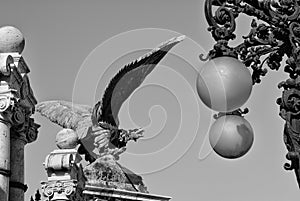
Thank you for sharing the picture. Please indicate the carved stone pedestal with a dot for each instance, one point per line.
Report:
(108, 180)
(94, 193)
(65, 177)
(102, 180)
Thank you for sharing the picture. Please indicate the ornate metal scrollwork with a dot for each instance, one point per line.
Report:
(238, 112)
(290, 112)
(274, 37)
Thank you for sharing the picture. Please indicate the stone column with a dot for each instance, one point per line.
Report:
(19, 138)
(17, 104)
(11, 145)
(17, 187)
(7, 99)
(4, 157)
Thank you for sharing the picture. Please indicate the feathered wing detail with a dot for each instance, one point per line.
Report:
(127, 80)
(63, 113)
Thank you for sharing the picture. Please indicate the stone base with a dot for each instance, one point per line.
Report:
(94, 193)
(107, 173)
(102, 180)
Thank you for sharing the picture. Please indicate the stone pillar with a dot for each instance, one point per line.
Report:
(4, 157)
(18, 141)
(7, 99)
(17, 187)
(17, 104)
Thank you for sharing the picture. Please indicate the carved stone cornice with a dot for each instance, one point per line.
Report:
(96, 193)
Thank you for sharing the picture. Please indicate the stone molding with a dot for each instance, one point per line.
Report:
(59, 189)
(95, 193)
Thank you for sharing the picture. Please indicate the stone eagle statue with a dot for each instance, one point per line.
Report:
(96, 129)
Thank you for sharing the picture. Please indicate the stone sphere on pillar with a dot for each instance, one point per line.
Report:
(66, 139)
(11, 40)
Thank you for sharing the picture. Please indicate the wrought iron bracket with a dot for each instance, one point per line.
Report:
(273, 42)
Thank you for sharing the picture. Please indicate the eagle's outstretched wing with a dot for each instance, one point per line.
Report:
(63, 113)
(127, 80)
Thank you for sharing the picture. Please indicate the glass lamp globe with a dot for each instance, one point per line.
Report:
(224, 84)
(231, 136)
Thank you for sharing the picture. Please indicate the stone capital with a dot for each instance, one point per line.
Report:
(23, 127)
(59, 189)
(16, 96)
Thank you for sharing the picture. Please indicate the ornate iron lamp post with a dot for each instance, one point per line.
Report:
(274, 36)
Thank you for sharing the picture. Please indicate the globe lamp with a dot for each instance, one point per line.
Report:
(231, 136)
(224, 84)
